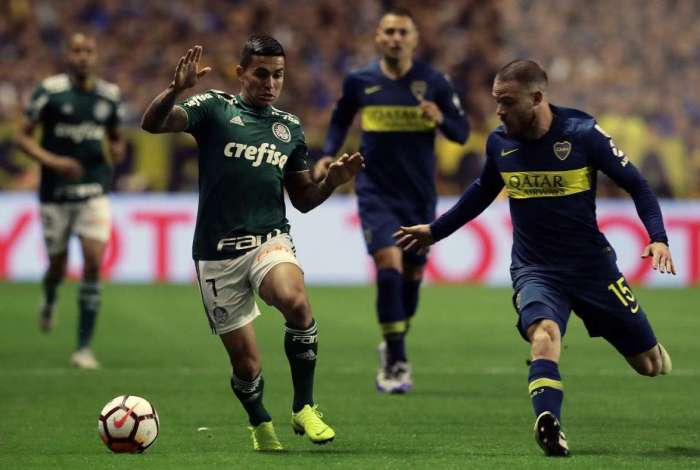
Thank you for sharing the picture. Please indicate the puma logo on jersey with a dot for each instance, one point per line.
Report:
(372, 89)
(256, 155)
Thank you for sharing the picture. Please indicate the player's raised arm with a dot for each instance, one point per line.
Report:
(305, 193)
(162, 115)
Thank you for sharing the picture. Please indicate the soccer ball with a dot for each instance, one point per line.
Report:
(128, 424)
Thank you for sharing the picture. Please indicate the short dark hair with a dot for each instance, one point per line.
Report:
(260, 44)
(526, 72)
(399, 11)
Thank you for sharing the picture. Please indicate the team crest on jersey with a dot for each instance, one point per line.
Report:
(562, 149)
(419, 88)
(67, 108)
(101, 110)
(281, 132)
(220, 314)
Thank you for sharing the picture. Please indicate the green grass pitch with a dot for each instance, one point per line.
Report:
(470, 407)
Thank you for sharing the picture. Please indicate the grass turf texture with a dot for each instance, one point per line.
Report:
(470, 407)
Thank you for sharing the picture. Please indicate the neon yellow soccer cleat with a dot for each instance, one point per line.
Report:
(264, 438)
(308, 421)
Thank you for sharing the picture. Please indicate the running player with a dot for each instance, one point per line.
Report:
(249, 152)
(75, 112)
(547, 157)
(402, 102)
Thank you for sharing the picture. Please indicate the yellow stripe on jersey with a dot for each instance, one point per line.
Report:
(529, 184)
(395, 119)
(544, 382)
(394, 327)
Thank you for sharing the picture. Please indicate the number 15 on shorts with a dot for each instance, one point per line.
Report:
(624, 294)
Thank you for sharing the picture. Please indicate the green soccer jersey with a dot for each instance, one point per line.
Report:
(74, 122)
(244, 153)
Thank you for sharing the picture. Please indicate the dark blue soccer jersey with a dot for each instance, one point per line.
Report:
(397, 141)
(551, 184)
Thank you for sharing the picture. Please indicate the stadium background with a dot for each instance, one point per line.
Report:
(632, 63)
(597, 61)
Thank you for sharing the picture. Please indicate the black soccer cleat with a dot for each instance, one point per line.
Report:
(549, 435)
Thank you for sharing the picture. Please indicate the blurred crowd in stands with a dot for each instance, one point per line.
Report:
(634, 64)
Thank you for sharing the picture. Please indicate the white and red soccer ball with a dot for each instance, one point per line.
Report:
(128, 424)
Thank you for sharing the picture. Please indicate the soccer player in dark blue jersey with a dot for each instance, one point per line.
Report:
(402, 103)
(547, 158)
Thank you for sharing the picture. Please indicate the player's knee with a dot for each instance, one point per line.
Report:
(544, 337)
(388, 258)
(91, 272)
(247, 368)
(412, 273)
(57, 270)
(56, 276)
(295, 307)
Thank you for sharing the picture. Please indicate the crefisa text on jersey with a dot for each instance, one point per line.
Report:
(256, 154)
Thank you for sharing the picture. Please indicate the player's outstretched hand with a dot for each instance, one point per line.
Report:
(660, 257)
(344, 169)
(416, 237)
(187, 71)
(320, 169)
(67, 167)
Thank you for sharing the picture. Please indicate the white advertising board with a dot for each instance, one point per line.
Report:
(152, 236)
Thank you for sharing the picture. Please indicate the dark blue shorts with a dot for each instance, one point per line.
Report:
(602, 299)
(380, 220)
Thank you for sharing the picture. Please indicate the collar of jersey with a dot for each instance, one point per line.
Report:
(266, 111)
(409, 72)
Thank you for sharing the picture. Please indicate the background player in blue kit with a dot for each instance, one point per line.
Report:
(547, 157)
(402, 102)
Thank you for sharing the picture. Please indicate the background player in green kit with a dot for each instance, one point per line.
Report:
(249, 151)
(75, 112)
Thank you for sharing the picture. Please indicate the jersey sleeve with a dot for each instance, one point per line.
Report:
(197, 108)
(606, 157)
(454, 124)
(299, 158)
(118, 111)
(478, 196)
(37, 104)
(343, 114)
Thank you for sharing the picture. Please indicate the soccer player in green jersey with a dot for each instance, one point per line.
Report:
(75, 111)
(249, 152)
